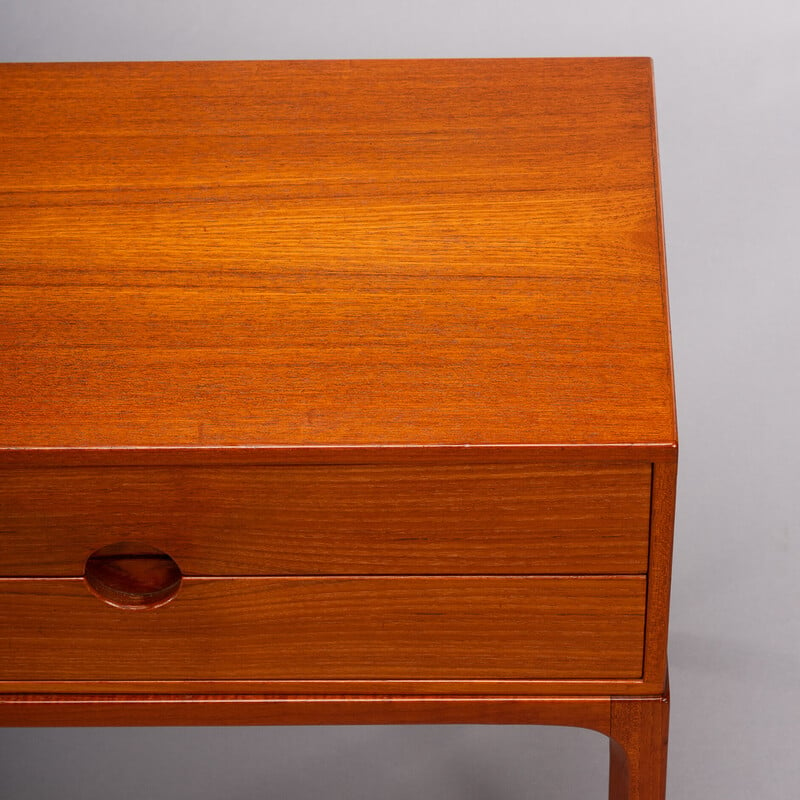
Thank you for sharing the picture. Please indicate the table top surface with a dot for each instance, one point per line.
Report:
(331, 254)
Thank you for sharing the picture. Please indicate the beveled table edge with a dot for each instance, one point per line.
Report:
(280, 455)
(159, 710)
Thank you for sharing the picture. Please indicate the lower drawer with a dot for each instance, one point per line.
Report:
(310, 628)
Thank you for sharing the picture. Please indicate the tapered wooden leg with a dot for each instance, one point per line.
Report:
(639, 728)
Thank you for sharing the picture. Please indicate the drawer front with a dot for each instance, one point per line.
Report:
(329, 628)
(339, 520)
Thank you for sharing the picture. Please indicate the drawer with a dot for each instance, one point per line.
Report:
(329, 628)
(338, 520)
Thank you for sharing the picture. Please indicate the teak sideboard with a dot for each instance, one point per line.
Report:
(336, 392)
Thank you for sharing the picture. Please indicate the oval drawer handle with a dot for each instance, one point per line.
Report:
(132, 575)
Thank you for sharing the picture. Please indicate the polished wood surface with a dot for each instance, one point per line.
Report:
(379, 353)
(201, 709)
(335, 455)
(325, 628)
(638, 748)
(556, 688)
(331, 254)
(131, 576)
(485, 519)
(662, 521)
(637, 727)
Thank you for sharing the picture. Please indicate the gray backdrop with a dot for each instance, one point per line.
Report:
(728, 85)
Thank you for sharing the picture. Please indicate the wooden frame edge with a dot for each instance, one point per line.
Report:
(125, 710)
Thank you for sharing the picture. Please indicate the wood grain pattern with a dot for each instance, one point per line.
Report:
(637, 727)
(638, 747)
(130, 575)
(556, 688)
(331, 254)
(662, 521)
(69, 710)
(379, 352)
(334, 455)
(318, 628)
(592, 518)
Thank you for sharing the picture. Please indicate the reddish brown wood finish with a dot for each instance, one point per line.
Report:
(639, 734)
(196, 709)
(307, 455)
(398, 325)
(658, 580)
(331, 254)
(466, 628)
(637, 727)
(479, 519)
(131, 576)
(351, 688)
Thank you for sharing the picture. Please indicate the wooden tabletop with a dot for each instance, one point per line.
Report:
(331, 254)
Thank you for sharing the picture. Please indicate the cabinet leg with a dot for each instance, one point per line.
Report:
(639, 728)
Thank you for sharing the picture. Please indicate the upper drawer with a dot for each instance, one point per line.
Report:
(259, 520)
